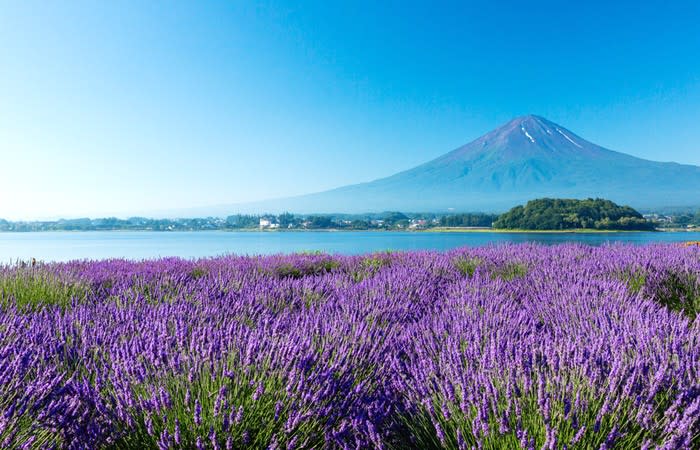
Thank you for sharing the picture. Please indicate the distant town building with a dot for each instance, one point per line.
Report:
(417, 224)
(268, 223)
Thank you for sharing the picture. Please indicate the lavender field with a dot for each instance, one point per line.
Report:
(505, 347)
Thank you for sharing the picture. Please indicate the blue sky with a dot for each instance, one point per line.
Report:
(139, 107)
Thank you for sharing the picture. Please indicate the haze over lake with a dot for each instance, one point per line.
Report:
(65, 246)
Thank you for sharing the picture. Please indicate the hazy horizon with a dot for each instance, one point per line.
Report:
(125, 109)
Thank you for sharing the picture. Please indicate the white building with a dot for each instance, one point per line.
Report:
(268, 223)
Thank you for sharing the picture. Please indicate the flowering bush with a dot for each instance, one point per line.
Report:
(516, 346)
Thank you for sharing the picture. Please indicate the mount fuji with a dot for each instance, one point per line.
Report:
(528, 157)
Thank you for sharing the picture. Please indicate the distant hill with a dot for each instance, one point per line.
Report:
(570, 214)
(528, 157)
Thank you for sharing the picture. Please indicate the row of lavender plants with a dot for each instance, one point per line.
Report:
(516, 346)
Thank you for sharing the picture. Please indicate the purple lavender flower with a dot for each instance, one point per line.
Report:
(258, 391)
(197, 413)
(149, 424)
(488, 355)
(176, 434)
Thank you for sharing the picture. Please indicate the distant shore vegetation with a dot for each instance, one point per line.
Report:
(272, 222)
(541, 215)
(571, 214)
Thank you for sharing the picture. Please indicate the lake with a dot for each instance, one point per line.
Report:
(63, 246)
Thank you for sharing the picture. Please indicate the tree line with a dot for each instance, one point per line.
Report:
(539, 214)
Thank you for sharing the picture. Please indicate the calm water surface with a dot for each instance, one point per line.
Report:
(63, 246)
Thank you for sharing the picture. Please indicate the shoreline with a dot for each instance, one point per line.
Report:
(522, 231)
(338, 230)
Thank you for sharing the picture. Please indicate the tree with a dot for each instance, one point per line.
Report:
(468, 220)
(392, 218)
(320, 222)
(564, 214)
(286, 219)
(358, 224)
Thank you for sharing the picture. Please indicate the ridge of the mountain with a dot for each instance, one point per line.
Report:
(527, 157)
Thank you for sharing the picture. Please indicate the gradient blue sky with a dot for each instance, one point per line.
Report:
(139, 107)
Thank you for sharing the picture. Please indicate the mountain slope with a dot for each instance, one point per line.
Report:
(529, 157)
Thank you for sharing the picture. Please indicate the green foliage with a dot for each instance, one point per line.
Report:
(318, 267)
(680, 291)
(259, 395)
(468, 220)
(287, 219)
(682, 220)
(501, 427)
(677, 290)
(594, 214)
(198, 272)
(33, 288)
(509, 271)
(359, 224)
(243, 221)
(392, 218)
(467, 265)
(377, 261)
(567, 214)
(370, 265)
(635, 279)
(320, 222)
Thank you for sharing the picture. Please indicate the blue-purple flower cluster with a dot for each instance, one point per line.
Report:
(516, 346)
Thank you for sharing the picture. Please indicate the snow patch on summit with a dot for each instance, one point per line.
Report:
(568, 138)
(527, 134)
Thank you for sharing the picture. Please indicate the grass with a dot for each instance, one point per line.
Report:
(509, 271)
(503, 230)
(467, 265)
(254, 418)
(300, 271)
(33, 288)
(370, 265)
(498, 432)
(678, 291)
(634, 278)
(199, 272)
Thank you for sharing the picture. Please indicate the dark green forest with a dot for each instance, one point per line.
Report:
(468, 220)
(569, 214)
